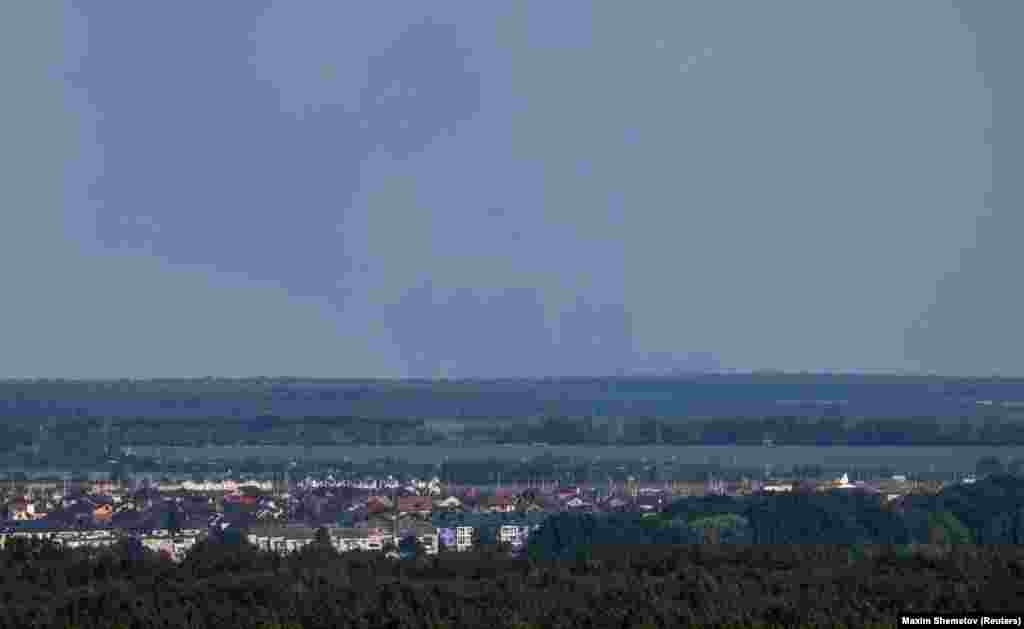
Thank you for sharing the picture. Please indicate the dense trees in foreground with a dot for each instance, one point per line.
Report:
(989, 512)
(221, 585)
(702, 562)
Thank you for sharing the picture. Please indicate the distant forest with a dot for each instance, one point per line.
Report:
(98, 433)
(831, 560)
(97, 418)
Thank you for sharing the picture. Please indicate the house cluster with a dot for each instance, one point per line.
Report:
(890, 488)
(377, 522)
(368, 515)
(376, 536)
(85, 514)
(175, 544)
(369, 484)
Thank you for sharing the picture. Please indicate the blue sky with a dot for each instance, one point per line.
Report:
(499, 189)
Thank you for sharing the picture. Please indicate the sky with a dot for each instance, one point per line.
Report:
(472, 189)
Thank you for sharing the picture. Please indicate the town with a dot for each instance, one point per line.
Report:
(170, 515)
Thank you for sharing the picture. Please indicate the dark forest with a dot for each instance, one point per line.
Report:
(789, 561)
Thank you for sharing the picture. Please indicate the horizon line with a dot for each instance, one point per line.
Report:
(670, 375)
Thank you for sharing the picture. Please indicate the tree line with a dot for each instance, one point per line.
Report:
(229, 584)
(989, 512)
(779, 430)
(992, 429)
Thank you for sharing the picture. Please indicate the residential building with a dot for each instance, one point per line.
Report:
(73, 538)
(501, 504)
(488, 526)
(451, 503)
(514, 534)
(567, 493)
(379, 526)
(458, 538)
(578, 504)
(280, 538)
(615, 504)
(174, 544)
(356, 539)
(421, 506)
(689, 488)
(463, 538)
(422, 531)
(22, 510)
(378, 504)
(104, 487)
(648, 503)
(103, 513)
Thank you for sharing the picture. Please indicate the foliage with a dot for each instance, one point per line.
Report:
(989, 512)
(989, 466)
(723, 521)
(409, 547)
(322, 538)
(603, 586)
(951, 529)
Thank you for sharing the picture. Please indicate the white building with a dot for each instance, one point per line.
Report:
(514, 534)
(345, 540)
(843, 482)
(281, 538)
(463, 538)
(287, 539)
(176, 546)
